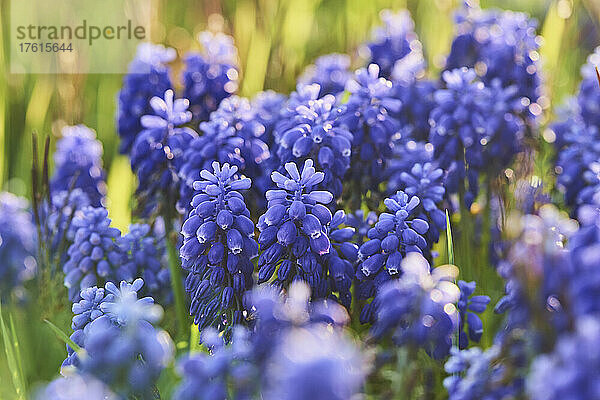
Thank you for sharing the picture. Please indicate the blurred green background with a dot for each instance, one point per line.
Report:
(276, 40)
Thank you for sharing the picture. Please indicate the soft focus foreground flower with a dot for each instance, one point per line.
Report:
(212, 75)
(76, 387)
(95, 257)
(148, 76)
(157, 153)
(283, 356)
(477, 374)
(572, 370)
(78, 164)
(396, 233)
(330, 72)
(584, 247)
(537, 269)
(315, 364)
(313, 131)
(17, 246)
(122, 347)
(418, 308)
(218, 246)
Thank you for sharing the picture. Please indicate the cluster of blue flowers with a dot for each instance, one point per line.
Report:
(118, 343)
(300, 237)
(418, 309)
(218, 248)
(500, 45)
(210, 76)
(293, 351)
(369, 117)
(393, 145)
(576, 137)
(330, 72)
(396, 234)
(312, 130)
(17, 246)
(232, 136)
(148, 77)
(157, 152)
(99, 254)
(78, 164)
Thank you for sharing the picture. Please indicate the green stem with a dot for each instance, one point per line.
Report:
(177, 287)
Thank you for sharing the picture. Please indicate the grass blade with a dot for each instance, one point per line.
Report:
(177, 286)
(449, 239)
(11, 356)
(63, 336)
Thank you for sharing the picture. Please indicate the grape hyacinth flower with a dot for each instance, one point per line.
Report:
(393, 41)
(406, 155)
(78, 164)
(469, 306)
(210, 76)
(418, 308)
(368, 117)
(267, 107)
(588, 97)
(228, 372)
(76, 387)
(426, 182)
(396, 234)
(17, 246)
(218, 246)
(274, 360)
(572, 370)
(459, 130)
(85, 311)
(293, 231)
(416, 95)
(477, 374)
(147, 77)
(95, 256)
(315, 364)
(123, 348)
(232, 135)
(537, 270)
(58, 227)
(577, 164)
(361, 223)
(584, 280)
(157, 153)
(313, 131)
(145, 251)
(330, 72)
(500, 45)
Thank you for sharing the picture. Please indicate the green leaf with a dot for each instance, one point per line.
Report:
(63, 336)
(177, 286)
(12, 357)
(449, 238)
